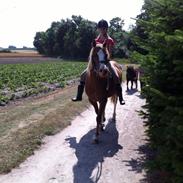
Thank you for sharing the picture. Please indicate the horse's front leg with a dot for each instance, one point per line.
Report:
(136, 84)
(103, 120)
(132, 84)
(114, 111)
(94, 105)
(102, 105)
(127, 83)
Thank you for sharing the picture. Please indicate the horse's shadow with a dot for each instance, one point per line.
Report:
(131, 91)
(91, 156)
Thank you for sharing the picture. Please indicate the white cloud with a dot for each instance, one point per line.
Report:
(21, 19)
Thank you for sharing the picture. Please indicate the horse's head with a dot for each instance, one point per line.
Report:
(98, 59)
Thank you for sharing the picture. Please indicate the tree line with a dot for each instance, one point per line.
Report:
(71, 38)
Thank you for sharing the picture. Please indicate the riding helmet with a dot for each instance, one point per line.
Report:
(102, 24)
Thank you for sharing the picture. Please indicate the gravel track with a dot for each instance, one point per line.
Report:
(70, 157)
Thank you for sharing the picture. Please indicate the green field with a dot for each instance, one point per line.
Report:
(23, 80)
(35, 78)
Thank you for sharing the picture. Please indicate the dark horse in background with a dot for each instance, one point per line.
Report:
(131, 76)
(99, 86)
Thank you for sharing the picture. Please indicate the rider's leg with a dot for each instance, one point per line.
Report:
(118, 84)
(80, 87)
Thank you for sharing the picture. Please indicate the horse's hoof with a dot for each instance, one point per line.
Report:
(122, 102)
(102, 128)
(95, 141)
(114, 120)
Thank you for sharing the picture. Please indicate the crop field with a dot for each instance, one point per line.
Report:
(22, 80)
(26, 76)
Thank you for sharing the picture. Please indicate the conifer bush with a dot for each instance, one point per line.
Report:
(159, 31)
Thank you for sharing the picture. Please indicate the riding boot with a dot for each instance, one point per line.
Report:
(79, 92)
(120, 95)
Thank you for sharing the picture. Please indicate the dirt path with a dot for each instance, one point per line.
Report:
(70, 157)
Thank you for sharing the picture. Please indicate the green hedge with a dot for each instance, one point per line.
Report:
(162, 24)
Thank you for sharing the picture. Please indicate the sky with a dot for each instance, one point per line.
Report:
(21, 19)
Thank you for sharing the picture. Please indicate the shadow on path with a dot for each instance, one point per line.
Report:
(140, 164)
(131, 92)
(91, 156)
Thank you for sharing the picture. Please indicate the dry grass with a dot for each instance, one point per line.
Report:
(20, 53)
(24, 126)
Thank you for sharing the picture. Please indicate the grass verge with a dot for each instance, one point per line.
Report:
(25, 125)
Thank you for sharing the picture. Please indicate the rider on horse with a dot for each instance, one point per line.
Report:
(102, 37)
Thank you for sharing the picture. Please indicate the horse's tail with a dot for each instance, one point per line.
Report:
(114, 99)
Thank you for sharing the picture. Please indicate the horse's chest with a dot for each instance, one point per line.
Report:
(99, 89)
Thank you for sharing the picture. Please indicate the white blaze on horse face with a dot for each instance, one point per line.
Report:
(102, 67)
(103, 71)
(101, 55)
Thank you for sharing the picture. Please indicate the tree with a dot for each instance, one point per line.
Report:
(11, 47)
(159, 30)
(39, 42)
(71, 38)
(121, 37)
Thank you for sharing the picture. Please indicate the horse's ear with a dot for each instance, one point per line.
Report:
(93, 43)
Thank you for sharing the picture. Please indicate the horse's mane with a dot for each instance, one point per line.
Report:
(90, 65)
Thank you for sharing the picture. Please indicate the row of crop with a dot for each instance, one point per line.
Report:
(22, 80)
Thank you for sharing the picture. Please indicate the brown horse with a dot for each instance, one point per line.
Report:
(99, 85)
(131, 76)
